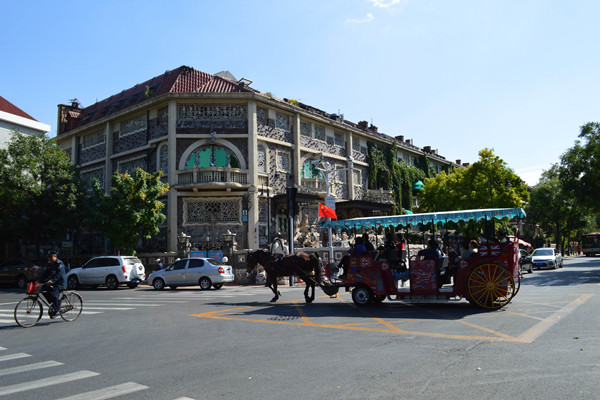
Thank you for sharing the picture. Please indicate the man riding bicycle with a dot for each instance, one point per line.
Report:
(54, 281)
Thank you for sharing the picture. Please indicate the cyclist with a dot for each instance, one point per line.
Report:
(54, 281)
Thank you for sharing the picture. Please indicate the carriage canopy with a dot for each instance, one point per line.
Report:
(424, 218)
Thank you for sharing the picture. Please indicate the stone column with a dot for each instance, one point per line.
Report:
(296, 152)
(253, 242)
(172, 178)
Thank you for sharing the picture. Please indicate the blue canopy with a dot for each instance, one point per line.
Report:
(435, 217)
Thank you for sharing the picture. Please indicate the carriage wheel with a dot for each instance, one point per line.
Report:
(490, 286)
(362, 295)
(330, 290)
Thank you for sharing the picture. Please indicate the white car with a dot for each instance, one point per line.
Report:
(111, 271)
(204, 272)
(546, 257)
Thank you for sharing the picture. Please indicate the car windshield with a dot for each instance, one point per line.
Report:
(543, 252)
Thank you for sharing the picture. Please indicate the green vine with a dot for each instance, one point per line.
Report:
(387, 173)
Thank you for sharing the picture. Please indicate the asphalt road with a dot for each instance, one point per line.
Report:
(233, 344)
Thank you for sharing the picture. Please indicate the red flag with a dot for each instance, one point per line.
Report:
(326, 212)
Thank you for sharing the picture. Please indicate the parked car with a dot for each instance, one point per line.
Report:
(525, 263)
(204, 272)
(546, 257)
(111, 271)
(19, 272)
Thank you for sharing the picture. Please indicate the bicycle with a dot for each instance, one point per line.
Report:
(29, 310)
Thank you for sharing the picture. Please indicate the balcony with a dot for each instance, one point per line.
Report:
(374, 195)
(314, 185)
(212, 178)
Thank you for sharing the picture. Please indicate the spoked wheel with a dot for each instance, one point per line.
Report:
(28, 312)
(71, 305)
(491, 286)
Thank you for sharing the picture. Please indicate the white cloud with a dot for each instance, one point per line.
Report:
(368, 18)
(385, 3)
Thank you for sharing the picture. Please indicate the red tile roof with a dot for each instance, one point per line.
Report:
(10, 108)
(181, 80)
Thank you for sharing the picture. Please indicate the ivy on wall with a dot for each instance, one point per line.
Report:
(387, 173)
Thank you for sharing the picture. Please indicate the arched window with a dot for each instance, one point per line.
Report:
(212, 156)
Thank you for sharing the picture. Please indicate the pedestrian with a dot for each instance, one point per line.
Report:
(159, 265)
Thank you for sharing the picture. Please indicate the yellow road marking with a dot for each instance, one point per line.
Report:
(528, 336)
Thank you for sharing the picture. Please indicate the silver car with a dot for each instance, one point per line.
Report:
(204, 272)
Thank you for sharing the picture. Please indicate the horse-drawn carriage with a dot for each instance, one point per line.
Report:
(489, 280)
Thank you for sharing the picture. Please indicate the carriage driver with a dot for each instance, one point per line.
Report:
(54, 282)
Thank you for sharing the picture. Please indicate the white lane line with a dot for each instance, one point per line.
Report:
(183, 398)
(109, 392)
(7, 321)
(108, 308)
(120, 304)
(2, 348)
(14, 356)
(9, 303)
(39, 383)
(30, 367)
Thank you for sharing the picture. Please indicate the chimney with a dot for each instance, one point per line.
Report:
(373, 128)
(458, 162)
(400, 138)
(363, 125)
(466, 164)
(427, 149)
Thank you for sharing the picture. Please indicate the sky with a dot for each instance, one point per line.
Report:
(517, 76)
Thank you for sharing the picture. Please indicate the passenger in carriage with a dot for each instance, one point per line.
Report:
(358, 249)
(501, 236)
(368, 245)
(470, 249)
(432, 252)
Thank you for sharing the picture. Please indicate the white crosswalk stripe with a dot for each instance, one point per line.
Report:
(108, 392)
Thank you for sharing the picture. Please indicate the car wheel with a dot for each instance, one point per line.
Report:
(132, 285)
(218, 286)
(204, 283)
(112, 283)
(158, 284)
(72, 282)
(21, 282)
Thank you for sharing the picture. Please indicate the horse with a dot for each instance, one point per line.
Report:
(307, 266)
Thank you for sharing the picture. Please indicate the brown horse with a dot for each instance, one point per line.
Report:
(306, 266)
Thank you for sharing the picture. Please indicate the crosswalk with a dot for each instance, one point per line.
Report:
(11, 364)
(16, 367)
(128, 301)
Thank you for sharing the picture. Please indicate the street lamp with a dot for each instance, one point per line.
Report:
(262, 193)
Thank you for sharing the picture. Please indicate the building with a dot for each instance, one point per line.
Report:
(12, 118)
(229, 154)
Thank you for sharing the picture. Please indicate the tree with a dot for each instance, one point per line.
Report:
(131, 210)
(580, 167)
(39, 190)
(487, 183)
(554, 209)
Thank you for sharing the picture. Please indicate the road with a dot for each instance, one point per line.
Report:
(233, 344)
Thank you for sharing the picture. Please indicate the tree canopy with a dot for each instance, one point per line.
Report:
(579, 169)
(487, 183)
(39, 190)
(131, 210)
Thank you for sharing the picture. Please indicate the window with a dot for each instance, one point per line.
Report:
(357, 176)
(196, 263)
(261, 116)
(309, 170)
(212, 156)
(283, 161)
(338, 138)
(133, 126)
(163, 159)
(319, 132)
(305, 129)
(178, 265)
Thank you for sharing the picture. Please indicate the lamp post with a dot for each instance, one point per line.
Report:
(262, 193)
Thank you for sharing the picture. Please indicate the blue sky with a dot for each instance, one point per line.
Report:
(520, 77)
